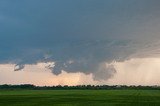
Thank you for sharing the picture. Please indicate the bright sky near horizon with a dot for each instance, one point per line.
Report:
(70, 42)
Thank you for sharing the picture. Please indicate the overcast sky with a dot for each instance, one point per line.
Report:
(89, 38)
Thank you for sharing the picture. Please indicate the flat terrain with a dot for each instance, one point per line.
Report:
(79, 97)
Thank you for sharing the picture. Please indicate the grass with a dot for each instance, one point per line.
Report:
(79, 98)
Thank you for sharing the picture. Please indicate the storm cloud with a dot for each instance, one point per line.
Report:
(78, 35)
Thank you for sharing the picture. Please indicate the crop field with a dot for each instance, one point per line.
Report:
(79, 98)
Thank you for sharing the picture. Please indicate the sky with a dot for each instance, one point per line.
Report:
(73, 42)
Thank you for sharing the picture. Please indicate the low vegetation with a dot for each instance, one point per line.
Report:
(79, 97)
(82, 95)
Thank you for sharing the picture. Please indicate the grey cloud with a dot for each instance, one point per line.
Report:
(18, 67)
(104, 72)
(79, 36)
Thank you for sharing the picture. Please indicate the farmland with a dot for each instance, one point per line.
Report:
(79, 97)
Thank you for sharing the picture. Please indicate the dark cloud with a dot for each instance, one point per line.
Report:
(77, 35)
(18, 67)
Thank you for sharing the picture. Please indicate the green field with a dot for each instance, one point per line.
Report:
(79, 97)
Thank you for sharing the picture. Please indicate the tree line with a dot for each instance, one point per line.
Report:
(78, 87)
